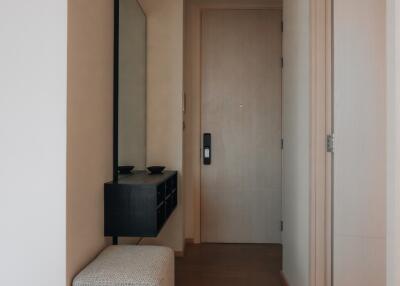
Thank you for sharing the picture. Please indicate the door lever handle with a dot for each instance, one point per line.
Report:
(207, 149)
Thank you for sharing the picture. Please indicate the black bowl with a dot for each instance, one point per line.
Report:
(124, 170)
(156, 169)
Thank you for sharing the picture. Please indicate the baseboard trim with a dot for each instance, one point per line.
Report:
(179, 253)
(284, 280)
(189, 241)
(186, 242)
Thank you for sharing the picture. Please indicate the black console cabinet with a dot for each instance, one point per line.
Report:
(139, 204)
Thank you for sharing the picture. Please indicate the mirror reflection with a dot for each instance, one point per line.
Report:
(132, 85)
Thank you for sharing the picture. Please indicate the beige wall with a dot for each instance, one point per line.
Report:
(360, 152)
(90, 53)
(164, 101)
(89, 138)
(296, 134)
(191, 145)
(393, 137)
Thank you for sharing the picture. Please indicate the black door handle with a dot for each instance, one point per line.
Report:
(207, 149)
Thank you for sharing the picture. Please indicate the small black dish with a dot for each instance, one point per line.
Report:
(124, 170)
(154, 170)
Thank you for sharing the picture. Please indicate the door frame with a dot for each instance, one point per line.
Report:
(203, 208)
(320, 122)
(321, 27)
(393, 138)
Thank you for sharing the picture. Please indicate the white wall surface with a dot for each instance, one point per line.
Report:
(393, 137)
(296, 130)
(360, 152)
(33, 100)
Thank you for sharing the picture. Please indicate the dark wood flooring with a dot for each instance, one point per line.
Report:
(230, 265)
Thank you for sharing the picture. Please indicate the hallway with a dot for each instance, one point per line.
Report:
(230, 264)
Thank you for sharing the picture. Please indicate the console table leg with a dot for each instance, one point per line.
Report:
(115, 240)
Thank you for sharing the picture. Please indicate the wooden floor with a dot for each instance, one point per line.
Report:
(230, 264)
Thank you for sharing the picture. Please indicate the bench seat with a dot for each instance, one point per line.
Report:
(129, 265)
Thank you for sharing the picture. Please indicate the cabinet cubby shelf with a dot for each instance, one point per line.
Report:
(138, 205)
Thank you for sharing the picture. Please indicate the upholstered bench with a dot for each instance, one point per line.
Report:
(129, 265)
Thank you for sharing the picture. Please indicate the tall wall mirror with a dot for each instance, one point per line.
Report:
(136, 203)
(129, 86)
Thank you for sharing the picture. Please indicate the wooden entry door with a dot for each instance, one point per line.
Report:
(241, 109)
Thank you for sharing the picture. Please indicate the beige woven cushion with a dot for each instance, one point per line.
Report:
(129, 265)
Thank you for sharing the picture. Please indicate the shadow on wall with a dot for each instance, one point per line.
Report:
(90, 123)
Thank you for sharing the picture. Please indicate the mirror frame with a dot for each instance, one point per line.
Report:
(115, 90)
